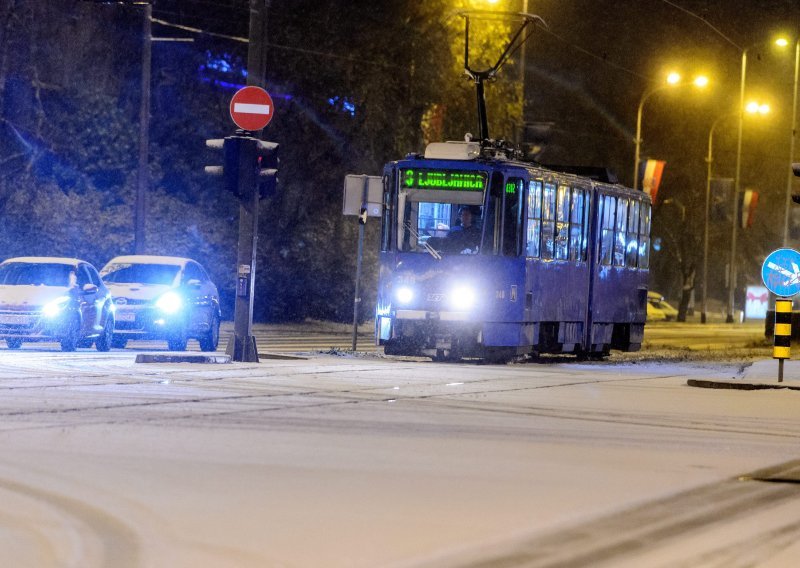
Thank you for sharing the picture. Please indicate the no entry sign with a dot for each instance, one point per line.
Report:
(251, 108)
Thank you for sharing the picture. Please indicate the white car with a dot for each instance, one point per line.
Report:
(54, 299)
(163, 297)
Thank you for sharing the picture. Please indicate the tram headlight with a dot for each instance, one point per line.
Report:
(462, 298)
(404, 295)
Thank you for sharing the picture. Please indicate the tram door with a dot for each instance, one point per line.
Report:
(619, 280)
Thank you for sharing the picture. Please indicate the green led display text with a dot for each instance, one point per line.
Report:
(457, 180)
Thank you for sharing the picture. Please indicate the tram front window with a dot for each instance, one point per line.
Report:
(446, 228)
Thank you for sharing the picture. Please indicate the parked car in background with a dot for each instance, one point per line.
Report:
(163, 297)
(659, 309)
(54, 299)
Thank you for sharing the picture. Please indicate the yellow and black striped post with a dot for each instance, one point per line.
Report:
(783, 333)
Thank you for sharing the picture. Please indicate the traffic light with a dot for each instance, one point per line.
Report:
(268, 162)
(250, 164)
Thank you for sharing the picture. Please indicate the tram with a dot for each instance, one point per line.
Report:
(551, 261)
(561, 264)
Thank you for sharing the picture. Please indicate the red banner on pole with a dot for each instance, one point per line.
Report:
(650, 172)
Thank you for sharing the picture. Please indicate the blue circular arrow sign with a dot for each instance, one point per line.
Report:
(781, 272)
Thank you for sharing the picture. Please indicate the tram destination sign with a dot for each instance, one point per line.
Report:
(455, 180)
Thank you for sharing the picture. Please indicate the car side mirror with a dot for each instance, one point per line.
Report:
(193, 283)
(89, 288)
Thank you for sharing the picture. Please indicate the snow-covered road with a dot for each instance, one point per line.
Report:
(361, 462)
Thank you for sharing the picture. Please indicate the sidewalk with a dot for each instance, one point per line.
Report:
(760, 375)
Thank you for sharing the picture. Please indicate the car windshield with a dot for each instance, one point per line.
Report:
(35, 274)
(127, 273)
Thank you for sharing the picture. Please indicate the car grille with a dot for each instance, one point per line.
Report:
(130, 302)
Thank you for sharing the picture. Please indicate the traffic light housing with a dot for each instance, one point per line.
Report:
(796, 170)
(250, 165)
(268, 161)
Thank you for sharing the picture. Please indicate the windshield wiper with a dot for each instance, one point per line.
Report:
(414, 233)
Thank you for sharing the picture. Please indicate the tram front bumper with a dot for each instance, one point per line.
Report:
(414, 332)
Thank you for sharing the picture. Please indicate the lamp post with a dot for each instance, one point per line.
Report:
(736, 185)
(673, 79)
(793, 127)
(709, 159)
(751, 108)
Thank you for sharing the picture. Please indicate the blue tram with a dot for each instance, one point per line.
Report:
(551, 262)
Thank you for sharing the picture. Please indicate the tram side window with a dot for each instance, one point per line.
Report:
(562, 222)
(512, 201)
(632, 248)
(534, 226)
(620, 229)
(548, 220)
(644, 236)
(609, 206)
(577, 225)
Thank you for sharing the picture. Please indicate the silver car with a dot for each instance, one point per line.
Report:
(54, 299)
(163, 297)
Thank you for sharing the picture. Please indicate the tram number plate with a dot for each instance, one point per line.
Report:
(15, 319)
(126, 316)
(435, 297)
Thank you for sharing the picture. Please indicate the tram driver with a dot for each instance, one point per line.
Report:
(465, 236)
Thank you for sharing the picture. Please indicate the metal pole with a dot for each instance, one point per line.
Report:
(522, 73)
(638, 141)
(793, 126)
(257, 46)
(362, 221)
(737, 184)
(709, 159)
(143, 174)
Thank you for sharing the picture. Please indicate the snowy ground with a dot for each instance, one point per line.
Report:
(337, 460)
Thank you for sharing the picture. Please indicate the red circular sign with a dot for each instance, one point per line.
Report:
(251, 108)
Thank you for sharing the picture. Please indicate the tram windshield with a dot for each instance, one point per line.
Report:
(444, 227)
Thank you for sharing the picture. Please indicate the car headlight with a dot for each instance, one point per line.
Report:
(404, 295)
(169, 303)
(54, 308)
(462, 298)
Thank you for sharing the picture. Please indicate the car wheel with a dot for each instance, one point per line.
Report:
(104, 342)
(177, 341)
(119, 342)
(210, 340)
(69, 342)
(14, 343)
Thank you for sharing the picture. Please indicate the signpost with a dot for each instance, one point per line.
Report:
(249, 163)
(363, 196)
(781, 275)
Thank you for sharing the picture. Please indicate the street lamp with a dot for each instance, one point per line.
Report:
(753, 108)
(672, 80)
(793, 127)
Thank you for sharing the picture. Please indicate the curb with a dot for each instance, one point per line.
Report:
(707, 384)
(161, 358)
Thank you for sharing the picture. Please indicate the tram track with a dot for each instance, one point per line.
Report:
(86, 536)
(284, 398)
(736, 523)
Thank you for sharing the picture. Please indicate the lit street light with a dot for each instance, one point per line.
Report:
(673, 80)
(753, 108)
